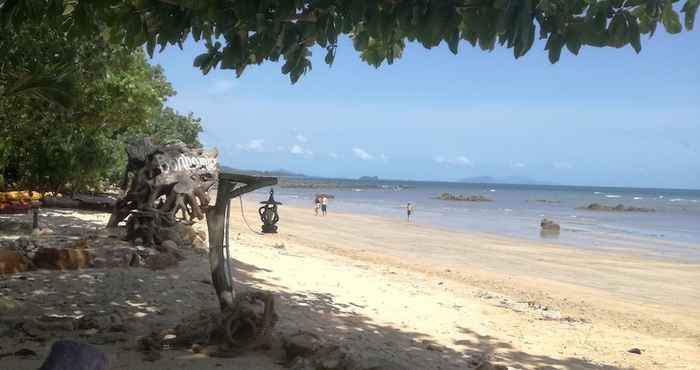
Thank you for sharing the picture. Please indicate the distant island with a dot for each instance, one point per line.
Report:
(369, 178)
(321, 183)
(462, 198)
(503, 180)
(273, 173)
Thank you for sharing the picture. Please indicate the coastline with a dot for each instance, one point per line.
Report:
(669, 234)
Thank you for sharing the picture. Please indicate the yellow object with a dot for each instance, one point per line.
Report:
(19, 196)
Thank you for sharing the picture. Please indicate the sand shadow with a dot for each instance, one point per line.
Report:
(62, 221)
(340, 323)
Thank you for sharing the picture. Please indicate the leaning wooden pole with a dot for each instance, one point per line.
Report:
(230, 186)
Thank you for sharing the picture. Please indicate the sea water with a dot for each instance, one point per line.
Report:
(672, 231)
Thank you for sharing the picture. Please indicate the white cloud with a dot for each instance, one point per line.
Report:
(297, 149)
(518, 165)
(255, 145)
(562, 165)
(362, 154)
(333, 155)
(223, 86)
(301, 138)
(463, 160)
(459, 160)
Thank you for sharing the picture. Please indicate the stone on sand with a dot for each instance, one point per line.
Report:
(12, 262)
(161, 261)
(70, 355)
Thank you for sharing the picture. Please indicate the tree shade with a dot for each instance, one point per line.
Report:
(239, 33)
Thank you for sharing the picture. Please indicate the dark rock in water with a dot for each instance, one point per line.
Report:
(549, 225)
(617, 208)
(462, 198)
(69, 355)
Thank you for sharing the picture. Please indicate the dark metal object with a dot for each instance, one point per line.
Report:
(268, 214)
(230, 185)
(35, 217)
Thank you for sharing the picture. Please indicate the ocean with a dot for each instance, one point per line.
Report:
(671, 232)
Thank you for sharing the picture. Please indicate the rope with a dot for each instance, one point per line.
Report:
(228, 252)
(244, 219)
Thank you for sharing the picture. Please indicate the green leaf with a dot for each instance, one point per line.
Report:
(618, 31)
(150, 46)
(634, 33)
(452, 39)
(573, 41)
(361, 41)
(357, 10)
(670, 19)
(554, 46)
(690, 9)
(330, 56)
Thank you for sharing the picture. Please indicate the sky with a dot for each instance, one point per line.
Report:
(607, 117)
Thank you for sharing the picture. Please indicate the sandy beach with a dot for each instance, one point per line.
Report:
(529, 304)
(420, 297)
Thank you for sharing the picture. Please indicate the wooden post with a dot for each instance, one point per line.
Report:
(217, 225)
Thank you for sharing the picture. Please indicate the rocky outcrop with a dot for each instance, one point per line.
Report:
(462, 198)
(617, 208)
(549, 225)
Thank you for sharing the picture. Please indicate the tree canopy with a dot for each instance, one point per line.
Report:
(66, 131)
(239, 33)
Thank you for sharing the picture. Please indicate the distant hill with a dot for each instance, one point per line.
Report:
(503, 180)
(369, 178)
(275, 173)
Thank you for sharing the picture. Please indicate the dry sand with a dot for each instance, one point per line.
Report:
(422, 297)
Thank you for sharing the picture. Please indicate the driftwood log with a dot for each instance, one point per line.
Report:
(164, 183)
(169, 183)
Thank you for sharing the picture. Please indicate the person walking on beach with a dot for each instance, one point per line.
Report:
(409, 211)
(317, 206)
(324, 204)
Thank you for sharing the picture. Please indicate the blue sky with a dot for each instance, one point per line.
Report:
(606, 117)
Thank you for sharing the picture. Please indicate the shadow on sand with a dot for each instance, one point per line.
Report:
(340, 323)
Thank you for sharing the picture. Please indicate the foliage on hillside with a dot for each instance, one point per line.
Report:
(68, 103)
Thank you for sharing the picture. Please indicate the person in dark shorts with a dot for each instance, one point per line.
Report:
(324, 205)
(409, 211)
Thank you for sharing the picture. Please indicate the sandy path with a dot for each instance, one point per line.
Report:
(471, 292)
